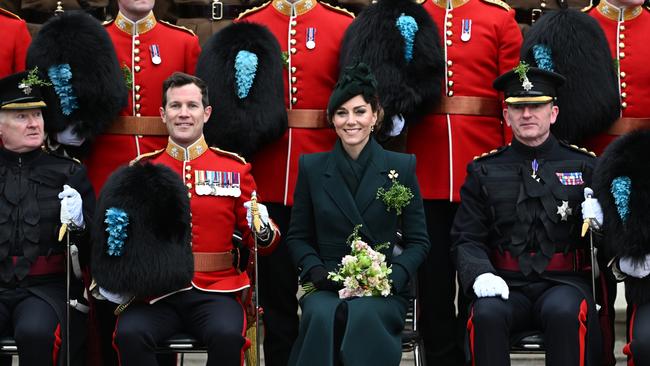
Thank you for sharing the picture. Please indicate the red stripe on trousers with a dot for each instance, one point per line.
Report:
(582, 332)
(117, 350)
(57, 344)
(627, 349)
(470, 329)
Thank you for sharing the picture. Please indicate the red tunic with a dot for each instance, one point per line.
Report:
(627, 33)
(445, 143)
(309, 80)
(15, 41)
(214, 218)
(135, 45)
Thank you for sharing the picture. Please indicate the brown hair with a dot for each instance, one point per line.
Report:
(178, 79)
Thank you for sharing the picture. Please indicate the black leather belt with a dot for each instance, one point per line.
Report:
(40, 17)
(528, 16)
(214, 11)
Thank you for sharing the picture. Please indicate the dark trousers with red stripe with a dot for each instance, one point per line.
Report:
(215, 319)
(33, 324)
(560, 312)
(638, 336)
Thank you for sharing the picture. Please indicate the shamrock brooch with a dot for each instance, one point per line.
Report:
(397, 196)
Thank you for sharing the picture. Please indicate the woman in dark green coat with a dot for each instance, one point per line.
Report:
(336, 191)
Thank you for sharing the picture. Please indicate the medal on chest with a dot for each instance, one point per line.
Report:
(217, 183)
(534, 166)
(310, 40)
(466, 30)
(155, 54)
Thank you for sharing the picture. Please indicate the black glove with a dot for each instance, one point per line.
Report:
(318, 276)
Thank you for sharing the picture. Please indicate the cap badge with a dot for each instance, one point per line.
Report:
(31, 80)
(521, 70)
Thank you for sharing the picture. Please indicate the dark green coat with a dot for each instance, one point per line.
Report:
(324, 215)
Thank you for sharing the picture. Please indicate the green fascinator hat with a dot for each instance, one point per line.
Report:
(356, 79)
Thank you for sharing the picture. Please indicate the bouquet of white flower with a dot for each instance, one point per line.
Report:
(364, 271)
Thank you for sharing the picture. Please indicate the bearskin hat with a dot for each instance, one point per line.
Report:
(622, 185)
(242, 66)
(576, 47)
(141, 232)
(74, 53)
(400, 42)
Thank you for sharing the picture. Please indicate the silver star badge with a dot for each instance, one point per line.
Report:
(564, 210)
(174, 152)
(527, 85)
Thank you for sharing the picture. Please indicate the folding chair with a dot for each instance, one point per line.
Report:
(411, 339)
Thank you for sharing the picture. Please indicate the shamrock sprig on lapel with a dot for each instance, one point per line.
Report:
(397, 196)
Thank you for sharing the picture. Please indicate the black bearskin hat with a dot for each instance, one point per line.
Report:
(75, 54)
(242, 66)
(588, 101)
(151, 255)
(622, 185)
(400, 42)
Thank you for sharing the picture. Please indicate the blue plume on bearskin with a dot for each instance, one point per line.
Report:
(151, 255)
(588, 101)
(247, 96)
(409, 82)
(626, 229)
(74, 49)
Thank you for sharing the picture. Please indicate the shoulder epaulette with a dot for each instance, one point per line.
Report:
(337, 9)
(253, 10)
(9, 14)
(587, 8)
(579, 149)
(229, 154)
(108, 22)
(498, 3)
(490, 153)
(179, 27)
(59, 155)
(145, 155)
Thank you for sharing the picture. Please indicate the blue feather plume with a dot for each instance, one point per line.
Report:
(621, 189)
(60, 75)
(543, 57)
(407, 26)
(245, 69)
(117, 220)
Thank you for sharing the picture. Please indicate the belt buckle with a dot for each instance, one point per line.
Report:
(534, 15)
(217, 10)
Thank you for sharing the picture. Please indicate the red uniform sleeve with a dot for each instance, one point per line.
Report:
(23, 39)
(192, 55)
(510, 40)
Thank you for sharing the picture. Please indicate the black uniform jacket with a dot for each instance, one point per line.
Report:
(520, 206)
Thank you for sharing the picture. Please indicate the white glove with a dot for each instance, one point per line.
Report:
(71, 207)
(489, 285)
(398, 125)
(113, 297)
(68, 137)
(264, 214)
(591, 210)
(633, 268)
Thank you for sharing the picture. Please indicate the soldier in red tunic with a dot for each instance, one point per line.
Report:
(309, 34)
(481, 41)
(14, 45)
(220, 187)
(626, 24)
(149, 51)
